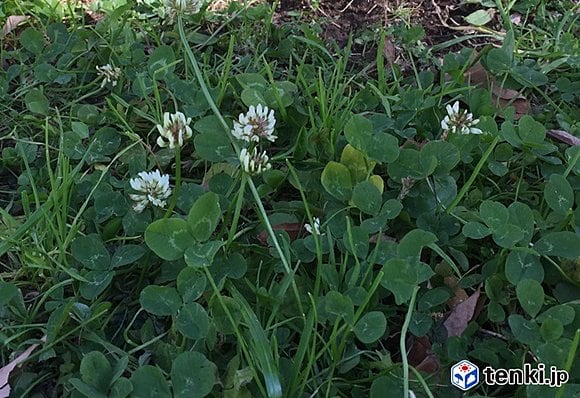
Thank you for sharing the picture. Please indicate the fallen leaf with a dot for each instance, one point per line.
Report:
(459, 295)
(6, 370)
(565, 137)
(12, 22)
(505, 97)
(422, 357)
(460, 315)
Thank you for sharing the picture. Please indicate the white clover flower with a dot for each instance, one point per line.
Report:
(258, 123)
(316, 228)
(175, 128)
(254, 162)
(173, 8)
(109, 74)
(458, 121)
(154, 189)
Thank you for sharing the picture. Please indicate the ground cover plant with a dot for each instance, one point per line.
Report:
(240, 200)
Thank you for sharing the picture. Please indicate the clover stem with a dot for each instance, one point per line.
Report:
(177, 182)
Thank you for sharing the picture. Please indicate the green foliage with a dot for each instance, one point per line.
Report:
(424, 247)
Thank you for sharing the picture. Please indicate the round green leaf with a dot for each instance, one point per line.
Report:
(563, 313)
(524, 331)
(494, 214)
(192, 321)
(475, 230)
(370, 327)
(127, 254)
(32, 40)
(336, 180)
(96, 370)
(192, 375)
(91, 252)
(367, 198)
(159, 62)
(97, 282)
(447, 155)
(168, 238)
(214, 147)
(148, 382)
(191, 284)
(160, 300)
(551, 329)
(36, 101)
(507, 235)
(433, 298)
(559, 194)
(204, 216)
(563, 244)
(530, 295)
(520, 265)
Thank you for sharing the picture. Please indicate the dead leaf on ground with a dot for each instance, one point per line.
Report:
(422, 357)
(293, 230)
(565, 137)
(459, 295)
(461, 314)
(505, 97)
(6, 370)
(12, 22)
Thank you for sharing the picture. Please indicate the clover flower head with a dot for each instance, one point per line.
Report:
(458, 121)
(109, 74)
(174, 129)
(173, 8)
(313, 229)
(253, 162)
(153, 188)
(257, 124)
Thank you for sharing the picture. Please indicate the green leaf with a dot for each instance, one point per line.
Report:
(149, 382)
(192, 375)
(381, 147)
(387, 386)
(96, 283)
(90, 252)
(202, 255)
(214, 147)
(400, 277)
(36, 101)
(192, 321)
(524, 331)
(7, 292)
(521, 215)
(254, 96)
(530, 295)
(563, 313)
(551, 329)
(475, 230)
(221, 318)
(499, 61)
(447, 156)
(121, 388)
(528, 77)
(433, 298)
(367, 198)
(478, 18)
(370, 327)
(158, 62)
(562, 244)
(493, 213)
(520, 265)
(391, 209)
(360, 242)
(96, 371)
(191, 284)
(204, 216)
(32, 40)
(559, 194)
(127, 254)
(531, 132)
(356, 162)
(337, 305)
(336, 180)
(507, 235)
(169, 238)
(160, 300)
(85, 389)
(413, 242)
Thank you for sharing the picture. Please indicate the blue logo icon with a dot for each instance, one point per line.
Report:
(464, 375)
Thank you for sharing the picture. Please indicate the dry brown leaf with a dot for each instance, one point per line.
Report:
(459, 295)
(565, 137)
(422, 357)
(505, 97)
(461, 314)
(12, 22)
(293, 230)
(6, 370)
